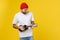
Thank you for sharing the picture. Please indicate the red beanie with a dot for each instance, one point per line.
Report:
(23, 5)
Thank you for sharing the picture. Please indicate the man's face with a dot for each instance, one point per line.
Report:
(25, 10)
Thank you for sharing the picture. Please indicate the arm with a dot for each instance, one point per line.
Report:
(32, 21)
(16, 27)
(15, 21)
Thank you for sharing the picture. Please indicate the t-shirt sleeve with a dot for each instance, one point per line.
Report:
(32, 17)
(15, 20)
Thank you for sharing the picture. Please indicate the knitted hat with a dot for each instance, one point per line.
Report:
(23, 5)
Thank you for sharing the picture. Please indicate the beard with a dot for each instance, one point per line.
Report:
(24, 12)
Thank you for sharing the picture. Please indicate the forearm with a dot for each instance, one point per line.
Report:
(15, 26)
(32, 22)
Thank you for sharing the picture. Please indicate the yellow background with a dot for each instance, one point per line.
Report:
(46, 14)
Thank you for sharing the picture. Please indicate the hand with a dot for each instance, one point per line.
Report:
(21, 28)
(34, 25)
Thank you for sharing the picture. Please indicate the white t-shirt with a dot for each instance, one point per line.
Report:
(24, 19)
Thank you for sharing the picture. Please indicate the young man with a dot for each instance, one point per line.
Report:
(24, 18)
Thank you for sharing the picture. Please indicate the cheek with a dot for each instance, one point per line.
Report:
(24, 10)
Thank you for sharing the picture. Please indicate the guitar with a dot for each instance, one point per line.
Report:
(27, 27)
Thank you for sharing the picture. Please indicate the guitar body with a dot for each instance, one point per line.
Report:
(24, 29)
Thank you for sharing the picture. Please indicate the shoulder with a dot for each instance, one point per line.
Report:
(30, 13)
(17, 14)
